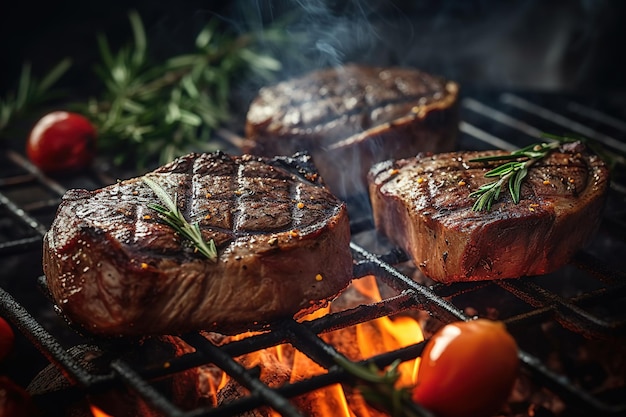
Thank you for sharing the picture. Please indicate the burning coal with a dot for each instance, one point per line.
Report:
(283, 364)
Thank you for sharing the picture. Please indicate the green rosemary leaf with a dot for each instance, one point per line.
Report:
(30, 92)
(5, 113)
(263, 62)
(53, 76)
(362, 372)
(479, 203)
(204, 36)
(153, 112)
(491, 158)
(486, 194)
(515, 184)
(171, 214)
(139, 36)
(482, 189)
(158, 208)
(23, 86)
(512, 172)
(180, 61)
(526, 149)
(190, 118)
(378, 388)
(189, 86)
(162, 194)
(496, 191)
(503, 169)
(208, 249)
(105, 51)
(562, 138)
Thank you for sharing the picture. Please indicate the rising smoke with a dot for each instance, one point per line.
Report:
(529, 44)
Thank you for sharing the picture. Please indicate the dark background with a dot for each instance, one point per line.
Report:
(540, 45)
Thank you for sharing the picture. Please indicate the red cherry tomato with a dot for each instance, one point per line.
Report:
(467, 369)
(14, 400)
(62, 142)
(7, 338)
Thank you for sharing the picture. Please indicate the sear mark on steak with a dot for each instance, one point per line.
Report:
(422, 205)
(115, 268)
(352, 116)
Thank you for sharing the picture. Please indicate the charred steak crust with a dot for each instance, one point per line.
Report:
(352, 116)
(422, 205)
(283, 242)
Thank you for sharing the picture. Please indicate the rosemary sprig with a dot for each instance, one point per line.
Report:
(172, 215)
(153, 111)
(30, 92)
(513, 172)
(615, 159)
(378, 388)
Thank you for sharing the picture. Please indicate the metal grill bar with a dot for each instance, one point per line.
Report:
(566, 312)
(483, 126)
(19, 245)
(486, 137)
(424, 298)
(242, 376)
(48, 344)
(22, 215)
(589, 112)
(561, 120)
(581, 400)
(501, 117)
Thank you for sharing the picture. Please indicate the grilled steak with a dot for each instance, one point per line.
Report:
(114, 267)
(422, 205)
(353, 116)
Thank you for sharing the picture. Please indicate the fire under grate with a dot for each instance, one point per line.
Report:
(570, 325)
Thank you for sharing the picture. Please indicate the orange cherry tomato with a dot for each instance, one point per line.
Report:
(14, 400)
(62, 142)
(7, 338)
(467, 369)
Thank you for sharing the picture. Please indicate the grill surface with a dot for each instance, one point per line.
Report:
(570, 325)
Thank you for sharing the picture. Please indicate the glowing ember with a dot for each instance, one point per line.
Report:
(282, 364)
(96, 412)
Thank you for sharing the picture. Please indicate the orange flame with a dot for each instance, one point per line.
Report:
(97, 412)
(357, 343)
(384, 334)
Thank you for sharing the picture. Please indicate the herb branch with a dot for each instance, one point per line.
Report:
(172, 215)
(155, 111)
(379, 389)
(30, 92)
(513, 172)
(615, 159)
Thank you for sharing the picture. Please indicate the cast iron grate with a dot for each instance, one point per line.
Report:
(584, 302)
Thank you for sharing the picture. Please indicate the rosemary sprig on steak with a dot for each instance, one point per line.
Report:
(513, 172)
(172, 215)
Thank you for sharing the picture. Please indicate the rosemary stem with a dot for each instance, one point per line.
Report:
(172, 215)
(513, 172)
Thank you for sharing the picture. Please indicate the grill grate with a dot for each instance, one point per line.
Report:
(583, 302)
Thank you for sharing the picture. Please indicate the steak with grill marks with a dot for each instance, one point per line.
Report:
(422, 204)
(114, 267)
(352, 116)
